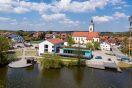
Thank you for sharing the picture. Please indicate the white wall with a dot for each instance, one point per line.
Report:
(41, 46)
(113, 44)
(18, 39)
(104, 46)
(77, 39)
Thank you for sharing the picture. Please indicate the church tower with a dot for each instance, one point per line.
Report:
(91, 26)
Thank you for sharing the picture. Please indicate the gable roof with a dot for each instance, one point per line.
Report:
(80, 34)
(107, 42)
(63, 33)
(55, 40)
(47, 35)
(13, 35)
(91, 35)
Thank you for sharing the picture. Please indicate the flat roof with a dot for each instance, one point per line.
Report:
(75, 48)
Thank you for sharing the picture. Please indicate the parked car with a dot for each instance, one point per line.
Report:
(109, 59)
(98, 57)
(31, 45)
(19, 46)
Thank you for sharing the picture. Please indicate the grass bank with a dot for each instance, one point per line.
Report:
(124, 65)
(13, 53)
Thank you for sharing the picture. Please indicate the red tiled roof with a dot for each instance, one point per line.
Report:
(89, 35)
(55, 40)
(113, 41)
(47, 35)
(92, 34)
(1, 33)
(107, 42)
(80, 34)
(63, 33)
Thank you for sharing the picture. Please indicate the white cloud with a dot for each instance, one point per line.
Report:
(4, 19)
(21, 10)
(118, 7)
(20, 7)
(102, 19)
(14, 20)
(117, 15)
(53, 16)
(70, 22)
(25, 18)
(127, 5)
(13, 23)
(120, 15)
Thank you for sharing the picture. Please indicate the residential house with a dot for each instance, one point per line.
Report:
(37, 34)
(64, 36)
(49, 36)
(105, 45)
(16, 38)
(50, 45)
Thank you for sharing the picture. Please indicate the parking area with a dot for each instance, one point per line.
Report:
(103, 55)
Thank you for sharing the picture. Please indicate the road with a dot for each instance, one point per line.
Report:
(116, 51)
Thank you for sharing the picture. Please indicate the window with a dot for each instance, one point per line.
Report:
(52, 46)
(52, 50)
(82, 38)
(90, 29)
(45, 46)
(76, 38)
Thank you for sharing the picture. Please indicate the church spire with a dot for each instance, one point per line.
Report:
(91, 26)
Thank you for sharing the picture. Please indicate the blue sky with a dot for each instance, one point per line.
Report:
(65, 15)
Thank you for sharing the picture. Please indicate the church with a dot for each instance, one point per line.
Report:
(85, 37)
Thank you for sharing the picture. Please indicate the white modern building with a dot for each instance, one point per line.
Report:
(50, 46)
(105, 45)
(16, 38)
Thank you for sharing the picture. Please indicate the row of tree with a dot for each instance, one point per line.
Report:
(4, 46)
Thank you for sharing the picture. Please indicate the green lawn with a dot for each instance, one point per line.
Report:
(34, 42)
(14, 53)
(31, 53)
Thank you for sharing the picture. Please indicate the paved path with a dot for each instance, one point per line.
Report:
(21, 63)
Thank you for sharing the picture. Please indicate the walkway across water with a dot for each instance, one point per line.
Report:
(21, 63)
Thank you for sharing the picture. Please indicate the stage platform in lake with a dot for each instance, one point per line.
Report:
(19, 64)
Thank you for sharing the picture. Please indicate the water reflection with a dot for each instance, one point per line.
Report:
(78, 75)
(29, 68)
(66, 77)
(3, 74)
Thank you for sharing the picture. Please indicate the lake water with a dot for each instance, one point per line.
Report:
(66, 77)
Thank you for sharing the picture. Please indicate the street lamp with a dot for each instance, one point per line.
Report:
(130, 19)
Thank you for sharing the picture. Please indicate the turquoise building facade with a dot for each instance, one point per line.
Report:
(86, 53)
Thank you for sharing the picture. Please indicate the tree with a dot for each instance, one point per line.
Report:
(79, 54)
(42, 36)
(11, 43)
(89, 45)
(96, 45)
(57, 36)
(124, 43)
(19, 33)
(4, 46)
(70, 41)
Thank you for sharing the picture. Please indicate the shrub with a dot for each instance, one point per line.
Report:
(51, 63)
